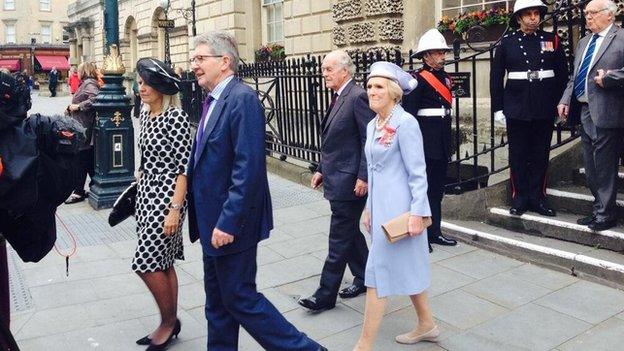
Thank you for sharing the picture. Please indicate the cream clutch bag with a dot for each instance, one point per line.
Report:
(396, 228)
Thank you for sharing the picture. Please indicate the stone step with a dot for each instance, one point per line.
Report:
(604, 266)
(580, 179)
(562, 227)
(578, 200)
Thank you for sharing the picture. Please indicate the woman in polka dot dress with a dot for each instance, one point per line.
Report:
(165, 144)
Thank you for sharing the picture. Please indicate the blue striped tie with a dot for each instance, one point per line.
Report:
(581, 76)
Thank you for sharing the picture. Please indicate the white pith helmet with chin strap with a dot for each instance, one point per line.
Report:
(527, 4)
(431, 40)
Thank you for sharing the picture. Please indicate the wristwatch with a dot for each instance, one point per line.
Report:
(174, 206)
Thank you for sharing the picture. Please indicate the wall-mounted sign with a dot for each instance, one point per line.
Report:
(461, 84)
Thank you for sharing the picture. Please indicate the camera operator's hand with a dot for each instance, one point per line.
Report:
(172, 221)
(73, 107)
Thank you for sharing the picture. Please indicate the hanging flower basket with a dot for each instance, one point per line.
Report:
(494, 21)
(270, 52)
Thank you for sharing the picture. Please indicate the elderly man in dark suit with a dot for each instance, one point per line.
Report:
(342, 172)
(230, 203)
(596, 88)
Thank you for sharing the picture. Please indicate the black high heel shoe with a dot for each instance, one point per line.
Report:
(176, 330)
(144, 340)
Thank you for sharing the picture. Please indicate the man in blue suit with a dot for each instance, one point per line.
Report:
(230, 203)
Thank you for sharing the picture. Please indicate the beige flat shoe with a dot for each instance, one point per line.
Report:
(407, 338)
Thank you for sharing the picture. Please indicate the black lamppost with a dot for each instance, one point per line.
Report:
(165, 5)
(113, 133)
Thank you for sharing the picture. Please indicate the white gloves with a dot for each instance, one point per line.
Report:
(499, 118)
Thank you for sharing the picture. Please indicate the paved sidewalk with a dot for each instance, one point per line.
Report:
(482, 301)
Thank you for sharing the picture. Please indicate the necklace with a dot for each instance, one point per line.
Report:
(380, 124)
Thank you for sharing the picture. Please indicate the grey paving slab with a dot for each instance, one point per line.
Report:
(288, 270)
(114, 336)
(63, 294)
(479, 264)
(51, 342)
(530, 327)
(307, 227)
(193, 295)
(118, 285)
(586, 301)
(322, 325)
(463, 310)
(281, 301)
(542, 276)
(393, 324)
(96, 269)
(124, 249)
(277, 235)
(294, 214)
(121, 308)
(47, 322)
(444, 280)
(190, 345)
(194, 269)
(42, 275)
(439, 255)
(300, 246)
(507, 291)
(266, 255)
(321, 207)
(606, 336)
(458, 249)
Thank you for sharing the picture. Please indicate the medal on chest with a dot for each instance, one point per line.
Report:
(547, 46)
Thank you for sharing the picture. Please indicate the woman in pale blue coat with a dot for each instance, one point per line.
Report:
(397, 183)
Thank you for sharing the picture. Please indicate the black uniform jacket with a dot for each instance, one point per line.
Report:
(528, 99)
(436, 131)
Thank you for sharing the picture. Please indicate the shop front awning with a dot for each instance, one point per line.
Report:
(10, 64)
(47, 62)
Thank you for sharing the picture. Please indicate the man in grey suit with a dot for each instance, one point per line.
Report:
(596, 88)
(342, 172)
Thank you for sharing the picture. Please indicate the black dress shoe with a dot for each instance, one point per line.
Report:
(586, 220)
(544, 210)
(430, 248)
(599, 225)
(517, 211)
(314, 305)
(352, 291)
(442, 240)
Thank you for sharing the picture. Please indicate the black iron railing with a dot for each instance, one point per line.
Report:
(295, 101)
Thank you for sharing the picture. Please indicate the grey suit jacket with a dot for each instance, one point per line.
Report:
(606, 105)
(343, 139)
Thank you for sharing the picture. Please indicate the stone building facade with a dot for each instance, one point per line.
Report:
(303, 26)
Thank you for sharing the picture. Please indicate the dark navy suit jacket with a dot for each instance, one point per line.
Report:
(342, 151)
(228, 187)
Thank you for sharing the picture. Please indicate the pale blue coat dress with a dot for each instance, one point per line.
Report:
(397, 182)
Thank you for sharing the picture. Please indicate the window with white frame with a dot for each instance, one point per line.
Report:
(452, 8)
(275, 20)
(46, 33)
(9, 4)
(44, 5)
(9, 31)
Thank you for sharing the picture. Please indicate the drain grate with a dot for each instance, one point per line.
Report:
(20, 295)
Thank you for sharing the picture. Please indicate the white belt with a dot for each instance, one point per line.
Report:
(530, 75)
(437, 112)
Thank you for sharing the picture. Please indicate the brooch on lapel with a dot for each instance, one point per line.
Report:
(387, 136)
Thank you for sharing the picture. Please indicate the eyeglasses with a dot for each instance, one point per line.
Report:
(200, 58)
(588, 13)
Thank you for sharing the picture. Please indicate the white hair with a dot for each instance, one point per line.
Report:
(611, 7)
(343, 60)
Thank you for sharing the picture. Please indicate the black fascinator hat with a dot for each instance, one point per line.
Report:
(158, 75)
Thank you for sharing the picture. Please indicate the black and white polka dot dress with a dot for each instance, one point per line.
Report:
(165, 144)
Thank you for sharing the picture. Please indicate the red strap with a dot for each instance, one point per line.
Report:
(1, 167)
(440, 88)
(556, 42)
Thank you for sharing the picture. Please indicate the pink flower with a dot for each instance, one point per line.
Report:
(387, 136)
